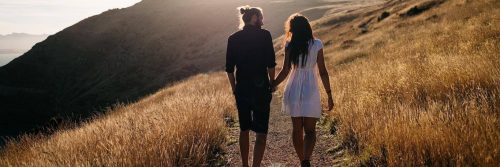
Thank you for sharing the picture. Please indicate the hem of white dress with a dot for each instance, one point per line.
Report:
(304, 117)
(309, 116)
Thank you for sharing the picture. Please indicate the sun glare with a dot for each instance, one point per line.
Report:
(48, 17)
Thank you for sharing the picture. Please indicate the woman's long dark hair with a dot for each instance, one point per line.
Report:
(299, 33)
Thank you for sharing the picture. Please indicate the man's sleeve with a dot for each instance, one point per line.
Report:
(230, 62)
(269, 51)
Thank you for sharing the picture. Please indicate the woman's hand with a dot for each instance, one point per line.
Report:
(330, 103)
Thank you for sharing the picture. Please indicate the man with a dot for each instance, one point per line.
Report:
(251, 51)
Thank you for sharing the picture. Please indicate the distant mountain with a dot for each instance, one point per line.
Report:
(122, 55)
(17, 42)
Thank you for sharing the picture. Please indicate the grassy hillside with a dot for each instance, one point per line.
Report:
(417, 88)
(178, 126)
(122, 55)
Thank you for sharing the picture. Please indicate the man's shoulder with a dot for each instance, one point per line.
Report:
(234, 35)
(239, 33)
(265, 32)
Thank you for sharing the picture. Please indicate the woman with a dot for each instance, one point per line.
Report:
(301, 98)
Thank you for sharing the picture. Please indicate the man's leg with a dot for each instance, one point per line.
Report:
(260, 125)
(259, 148)
(245, 120)
(244, 147)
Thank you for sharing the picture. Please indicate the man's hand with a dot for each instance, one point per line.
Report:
(270, 72)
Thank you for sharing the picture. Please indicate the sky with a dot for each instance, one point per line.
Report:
(50, 16)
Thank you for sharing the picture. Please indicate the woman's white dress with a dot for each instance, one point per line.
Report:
(301, 97)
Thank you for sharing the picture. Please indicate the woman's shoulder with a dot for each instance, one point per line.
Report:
(318, 42)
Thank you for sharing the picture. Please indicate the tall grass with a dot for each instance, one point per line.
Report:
(179, 126)
(410, 92)
(426, 94)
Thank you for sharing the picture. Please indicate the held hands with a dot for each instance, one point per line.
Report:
(273, 86)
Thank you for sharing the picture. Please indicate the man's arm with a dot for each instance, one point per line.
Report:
(232, 81)
(230, 63)
(270, 58)
(271, 72)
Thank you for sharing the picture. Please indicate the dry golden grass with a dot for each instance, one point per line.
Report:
(178, 126)
(416, 91)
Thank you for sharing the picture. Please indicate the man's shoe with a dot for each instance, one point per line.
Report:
(305, 163)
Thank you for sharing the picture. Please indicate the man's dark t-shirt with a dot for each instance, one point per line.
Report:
(251, 51)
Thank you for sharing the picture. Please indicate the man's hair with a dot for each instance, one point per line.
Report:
(246, 13)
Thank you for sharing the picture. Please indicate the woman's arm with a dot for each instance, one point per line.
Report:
(325, 78)
(284, 71)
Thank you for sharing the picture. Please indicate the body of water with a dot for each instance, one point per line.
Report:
(7, 57)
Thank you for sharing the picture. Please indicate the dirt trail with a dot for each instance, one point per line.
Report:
(279, 149)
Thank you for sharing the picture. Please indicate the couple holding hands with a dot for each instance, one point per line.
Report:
(250, 53)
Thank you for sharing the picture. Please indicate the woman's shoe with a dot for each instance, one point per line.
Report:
(305, 163)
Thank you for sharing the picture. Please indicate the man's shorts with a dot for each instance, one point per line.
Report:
(253, 109)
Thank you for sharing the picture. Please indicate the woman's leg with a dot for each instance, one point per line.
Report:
(298, 137)
(310, 137)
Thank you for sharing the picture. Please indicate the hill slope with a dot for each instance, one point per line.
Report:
(417, 88)
(19, 42)
(14, 44)
(122, 55)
